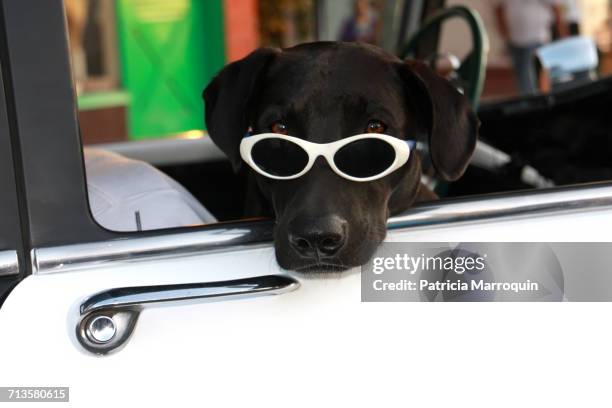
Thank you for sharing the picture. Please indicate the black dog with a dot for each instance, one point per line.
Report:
(323, 92)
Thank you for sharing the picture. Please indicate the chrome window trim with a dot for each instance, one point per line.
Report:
(482, 207)
(9, 263)
(224, 236)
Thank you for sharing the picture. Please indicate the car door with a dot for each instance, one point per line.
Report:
(253, 349)
(204, 316)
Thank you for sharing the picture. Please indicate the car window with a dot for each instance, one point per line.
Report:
(140, 68)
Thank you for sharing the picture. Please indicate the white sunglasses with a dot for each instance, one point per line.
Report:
(364, 157)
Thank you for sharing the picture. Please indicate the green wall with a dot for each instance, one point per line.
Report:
(169, 50)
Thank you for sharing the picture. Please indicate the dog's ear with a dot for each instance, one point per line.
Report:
(450, 121)
(227, 99)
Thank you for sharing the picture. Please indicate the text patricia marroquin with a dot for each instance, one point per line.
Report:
(456, 285)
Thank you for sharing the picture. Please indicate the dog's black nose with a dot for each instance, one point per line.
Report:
(318, 237)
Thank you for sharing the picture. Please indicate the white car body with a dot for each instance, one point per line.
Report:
(317, 344)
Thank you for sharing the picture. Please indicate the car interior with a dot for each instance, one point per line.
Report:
(557, 137)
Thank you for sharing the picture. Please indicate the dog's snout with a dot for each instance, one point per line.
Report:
(319, 237)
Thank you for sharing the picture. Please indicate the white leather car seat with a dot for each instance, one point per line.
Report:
(131, 195)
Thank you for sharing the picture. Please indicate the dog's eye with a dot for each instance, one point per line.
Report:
(376, 126)
(278, 127)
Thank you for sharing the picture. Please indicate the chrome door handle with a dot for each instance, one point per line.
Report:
(107, 319)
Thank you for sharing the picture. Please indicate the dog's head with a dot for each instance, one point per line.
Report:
(323, 92)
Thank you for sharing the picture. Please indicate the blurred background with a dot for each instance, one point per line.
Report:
(140, 65)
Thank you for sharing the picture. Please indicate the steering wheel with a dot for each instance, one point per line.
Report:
(468, 76)
(470, 73)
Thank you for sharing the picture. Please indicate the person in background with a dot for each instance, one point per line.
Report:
(571, 15)
(570, 11)
(362, 26)
(525, 26)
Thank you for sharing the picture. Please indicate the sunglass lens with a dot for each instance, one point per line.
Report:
(365, 158)
(279, 157)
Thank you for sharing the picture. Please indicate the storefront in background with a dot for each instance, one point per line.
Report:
(141, 65)
(146, 63)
